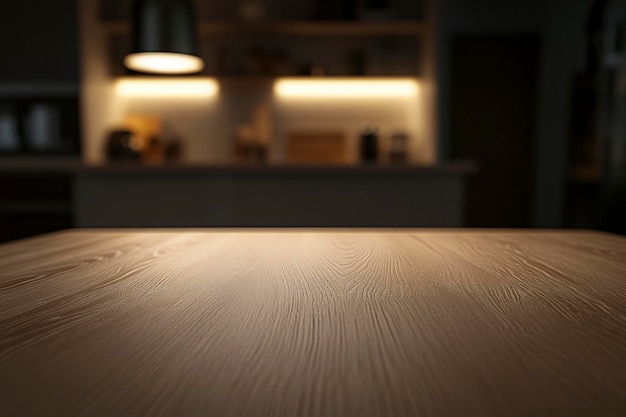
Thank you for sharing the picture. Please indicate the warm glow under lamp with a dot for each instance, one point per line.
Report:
(166, 87)
(164, 63)
(345, 88)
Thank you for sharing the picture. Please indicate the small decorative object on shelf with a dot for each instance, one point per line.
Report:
(173, 149)
(42, 125)
(9, 135)
(154, 151)
(39, 125)
(253, 61)
(146, 128)
(376, 10)
(145, 139)
(251, 10)
(171, 144)
(313, 70)
(335, 9)
(247, 146)
(252, 141)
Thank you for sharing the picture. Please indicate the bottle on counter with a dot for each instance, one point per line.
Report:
(369, 145)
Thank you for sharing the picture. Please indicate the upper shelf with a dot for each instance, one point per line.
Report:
(304, 28)
(38, 89)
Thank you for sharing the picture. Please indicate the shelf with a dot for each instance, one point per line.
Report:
(444, 168)
(313, 28)
(251, 80)
(264, 80)
(77, 167)
(305, 28)
(35, 89)
(43, 164)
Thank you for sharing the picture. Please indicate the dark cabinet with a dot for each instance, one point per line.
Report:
(39, 114)
(34, 203)
(39, 79)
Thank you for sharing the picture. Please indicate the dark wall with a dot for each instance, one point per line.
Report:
(38, 40)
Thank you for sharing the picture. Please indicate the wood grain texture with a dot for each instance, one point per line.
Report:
(313, 323)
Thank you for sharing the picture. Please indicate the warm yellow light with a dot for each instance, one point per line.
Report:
(166, 87)
(345, 88)
(164, 63)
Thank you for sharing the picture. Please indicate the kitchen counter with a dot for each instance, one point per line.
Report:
(73, 165)
(45, 165)
(313, 323)
(273, 195)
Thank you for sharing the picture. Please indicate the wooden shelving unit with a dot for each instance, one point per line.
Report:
(247, 57)
(330, 34)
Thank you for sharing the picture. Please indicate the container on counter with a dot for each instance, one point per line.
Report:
(369, 145)
(398, 148)
(123, 145)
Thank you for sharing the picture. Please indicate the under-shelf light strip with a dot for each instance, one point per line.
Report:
(345, 88)
(283, 88)
(167, 87)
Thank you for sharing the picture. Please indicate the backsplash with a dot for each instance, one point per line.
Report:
(207, 123)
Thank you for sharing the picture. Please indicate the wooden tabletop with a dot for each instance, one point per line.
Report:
(313, 323)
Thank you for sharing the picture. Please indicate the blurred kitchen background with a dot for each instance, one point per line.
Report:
(342, 113)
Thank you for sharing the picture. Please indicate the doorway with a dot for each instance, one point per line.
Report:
(493, 112)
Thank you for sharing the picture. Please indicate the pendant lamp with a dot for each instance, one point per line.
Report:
(164, 40)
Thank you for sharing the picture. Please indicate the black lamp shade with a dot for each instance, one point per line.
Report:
(164, 38)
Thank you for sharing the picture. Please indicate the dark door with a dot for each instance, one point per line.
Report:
(494, 91)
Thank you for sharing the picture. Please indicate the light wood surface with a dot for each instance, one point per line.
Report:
(313, 323)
